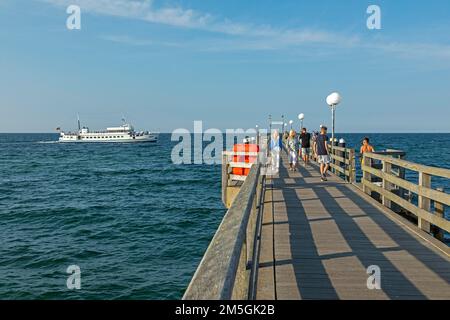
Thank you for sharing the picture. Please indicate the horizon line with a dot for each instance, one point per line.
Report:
(354, 132)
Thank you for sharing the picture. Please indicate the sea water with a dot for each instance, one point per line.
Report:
(136, 224)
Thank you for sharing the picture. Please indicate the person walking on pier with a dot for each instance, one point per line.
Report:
(322, 152)
(292, 146)
(275, 149)
(306, 145)
(314, 141)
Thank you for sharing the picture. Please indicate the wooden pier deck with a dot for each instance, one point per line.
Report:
(319, 238)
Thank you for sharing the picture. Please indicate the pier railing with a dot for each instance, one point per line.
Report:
(343, 162)
(225, 270)
(428, 220)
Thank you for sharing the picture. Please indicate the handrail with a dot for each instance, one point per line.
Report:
(435, 171)
(254, 267)
(343, 162)
(426, 194)
(222, 273)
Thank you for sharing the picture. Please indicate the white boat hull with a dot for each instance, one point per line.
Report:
(124, 134)
(80, 139)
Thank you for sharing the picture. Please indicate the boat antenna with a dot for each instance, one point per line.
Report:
(79, 124)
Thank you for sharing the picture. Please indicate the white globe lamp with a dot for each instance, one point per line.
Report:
(333, 100)
(301, 116)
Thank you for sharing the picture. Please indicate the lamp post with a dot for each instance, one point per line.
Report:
(269, 136)
(301, 116)
(333, 100)
(291, 122)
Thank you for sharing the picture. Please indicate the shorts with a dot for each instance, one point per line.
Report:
(305, 151)
(323, 159)
(293, 157)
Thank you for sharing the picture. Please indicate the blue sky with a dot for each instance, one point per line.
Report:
(231, 63)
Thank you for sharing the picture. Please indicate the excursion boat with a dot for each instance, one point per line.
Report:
(123, 133)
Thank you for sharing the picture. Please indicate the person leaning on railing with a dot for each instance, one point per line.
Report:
(366, 147)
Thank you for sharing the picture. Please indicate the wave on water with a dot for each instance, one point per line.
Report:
(129, 204)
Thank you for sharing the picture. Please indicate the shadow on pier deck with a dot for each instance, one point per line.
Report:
(319, 238)
(292, 236)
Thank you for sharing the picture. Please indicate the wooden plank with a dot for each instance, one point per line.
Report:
(440, 212)
(340, 169)
(240, 165)
(266, 270)
(352, 166)
(341, 159)
(387, 167)
(367, 163)
(424, 203)
(224, 179)
(339, 148)
(237, 177)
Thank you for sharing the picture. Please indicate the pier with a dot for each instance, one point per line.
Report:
(292, 236)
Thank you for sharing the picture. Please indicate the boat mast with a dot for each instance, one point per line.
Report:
(79, 125)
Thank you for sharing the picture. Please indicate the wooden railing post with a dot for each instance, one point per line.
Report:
(330, 152)
(366, 175)
(251, 227)
(387, 167)
(351, 166)
(336, 161)
(224, 177)
(424, 203)
(439, 209)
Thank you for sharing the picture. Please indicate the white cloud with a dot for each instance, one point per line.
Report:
(246, 36)
(414, 49)
(142, 10)
(125, 39)
(188, 18)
